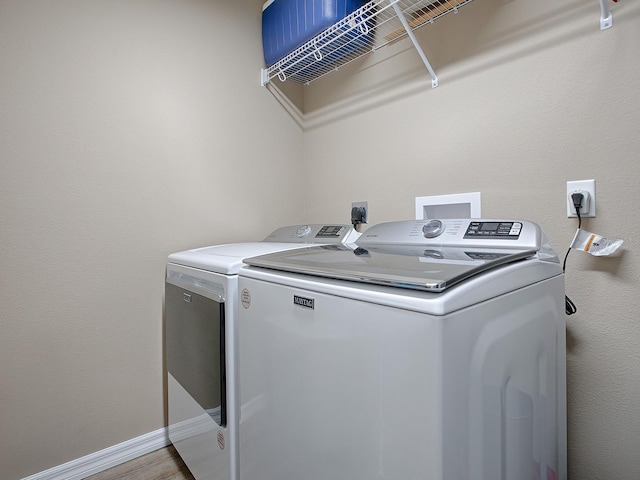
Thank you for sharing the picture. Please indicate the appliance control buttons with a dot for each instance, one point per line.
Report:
(515, 228)
(303, 230)
(433, 228)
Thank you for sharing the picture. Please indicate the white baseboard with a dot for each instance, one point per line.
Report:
(107, 458)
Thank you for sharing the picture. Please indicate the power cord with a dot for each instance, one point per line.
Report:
(576, 198)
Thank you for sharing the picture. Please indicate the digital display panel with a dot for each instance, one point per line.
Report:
(330, 231)
(490, 226)
(502, 230)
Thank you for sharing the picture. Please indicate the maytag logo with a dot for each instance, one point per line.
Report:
(303, 302)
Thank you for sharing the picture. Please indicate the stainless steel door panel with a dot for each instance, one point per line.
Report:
(195, 339)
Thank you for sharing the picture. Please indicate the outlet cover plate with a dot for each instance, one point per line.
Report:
(588, 186)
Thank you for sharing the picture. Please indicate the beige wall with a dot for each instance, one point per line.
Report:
(125, 127)
(128, 130)
(531, 94)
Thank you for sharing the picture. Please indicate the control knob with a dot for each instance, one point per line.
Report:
(303, 230)
(433, 228)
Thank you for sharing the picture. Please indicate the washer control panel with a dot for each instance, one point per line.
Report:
(461, 232)
(502, 230)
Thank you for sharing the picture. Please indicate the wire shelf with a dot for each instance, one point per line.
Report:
(369, 28)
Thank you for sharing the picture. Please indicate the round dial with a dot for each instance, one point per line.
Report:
(303, 230)
(433, 228)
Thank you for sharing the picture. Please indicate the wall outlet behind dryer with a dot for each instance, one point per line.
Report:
(359, 213)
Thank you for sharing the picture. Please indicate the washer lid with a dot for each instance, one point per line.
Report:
(431, 269)
(427, 255)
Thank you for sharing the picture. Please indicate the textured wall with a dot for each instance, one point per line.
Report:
(125, 128)
(128, 130)
(531, 94)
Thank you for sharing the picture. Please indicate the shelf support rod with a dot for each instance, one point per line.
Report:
(264, 77)
(405, 24)
(606, 20)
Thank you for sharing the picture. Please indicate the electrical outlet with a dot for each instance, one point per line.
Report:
(359, 213)
(588, 189)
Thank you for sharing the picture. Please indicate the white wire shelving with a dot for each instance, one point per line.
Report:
(374, 25)
(371, 27)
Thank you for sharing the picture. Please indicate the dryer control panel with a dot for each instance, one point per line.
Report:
(314, 233)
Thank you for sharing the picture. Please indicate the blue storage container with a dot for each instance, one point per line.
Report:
(287, 24)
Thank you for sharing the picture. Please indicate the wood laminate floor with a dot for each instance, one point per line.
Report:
(163, 464)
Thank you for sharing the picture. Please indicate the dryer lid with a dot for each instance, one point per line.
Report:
(227, 259)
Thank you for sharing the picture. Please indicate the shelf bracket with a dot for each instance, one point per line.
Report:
(264, 77)
(405, 24)
(606, 20)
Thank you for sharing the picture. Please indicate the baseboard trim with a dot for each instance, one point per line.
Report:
(107, 458)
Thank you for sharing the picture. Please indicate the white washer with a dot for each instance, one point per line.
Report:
(201, 301)
(430, 350)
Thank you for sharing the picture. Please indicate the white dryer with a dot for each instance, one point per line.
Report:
(201, 299)
(430, 350)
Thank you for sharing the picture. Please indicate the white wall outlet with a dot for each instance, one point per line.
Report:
(588, 189)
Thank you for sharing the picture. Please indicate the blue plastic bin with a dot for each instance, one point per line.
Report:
(287, 24)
